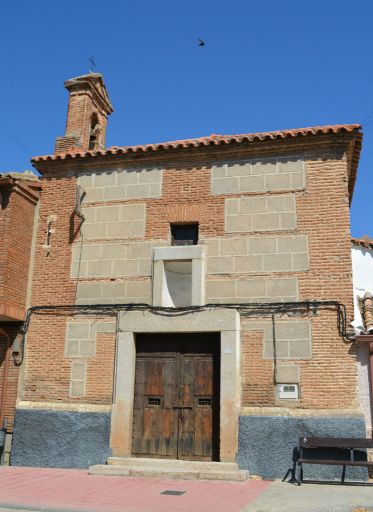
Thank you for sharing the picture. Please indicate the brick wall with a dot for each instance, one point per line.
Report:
(16, 231)
(310, 258)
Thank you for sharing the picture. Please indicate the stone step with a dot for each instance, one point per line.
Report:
(177, 463)
(168, 472)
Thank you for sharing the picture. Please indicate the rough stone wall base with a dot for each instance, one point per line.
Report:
(266, 444)
(60, 439)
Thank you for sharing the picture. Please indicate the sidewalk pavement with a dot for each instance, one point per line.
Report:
(71, 490)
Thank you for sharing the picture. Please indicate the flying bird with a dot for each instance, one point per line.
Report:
(201, 43)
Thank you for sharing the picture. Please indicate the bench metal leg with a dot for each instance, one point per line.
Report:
(300, 473)
(343, 474)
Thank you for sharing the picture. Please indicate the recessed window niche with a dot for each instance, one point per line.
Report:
(178, 276)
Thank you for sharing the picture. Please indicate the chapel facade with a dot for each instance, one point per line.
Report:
(190, 299)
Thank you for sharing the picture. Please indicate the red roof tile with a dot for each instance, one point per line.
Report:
(211, 140)
(365, 242)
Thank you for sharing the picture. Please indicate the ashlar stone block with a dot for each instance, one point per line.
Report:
(107, 214)
(87, 252)
(256, 204)
(288, 220)
(281, 203)
(124, 268)
(266, 222)
(233, 246)
(100, 268)
(93, 194)
(290, 164)
(252, 184)
(88, 291)
(212, 245)
(238, 169)
(287, 374)
(218, 171)
(282, 288)
(127, 177)
(262, 245)
(251, 288)
(110, 251)
(277, 262)
(139, 251)
(300, 262)
(87, 348)
(94, 231)
(78, 370)
(264, 167)
(232, 207)
(137, 191)
(298, 180)
(133, 212)
(238, 223)
(114, 193)
(293, 244)
(104, 179)
(220, 289)
(247, 264)
(277, 182)
(220, 265)
(113, 290)
(155, 190)
(76, 331)
(138, 289)
(150, 176)
(85, 180)
(225, 186)
(77, 388)
(90, 214)
(71, 348)
(300, 349)
(300, 330)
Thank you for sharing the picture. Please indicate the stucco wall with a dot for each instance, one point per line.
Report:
(362, 271)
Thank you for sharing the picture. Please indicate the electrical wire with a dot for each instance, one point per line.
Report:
(245, 309)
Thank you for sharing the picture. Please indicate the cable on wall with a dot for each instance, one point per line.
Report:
(245, 309)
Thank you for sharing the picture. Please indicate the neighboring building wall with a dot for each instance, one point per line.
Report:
(274, 224)
(16, 231)
(362, 271)
(20, 193)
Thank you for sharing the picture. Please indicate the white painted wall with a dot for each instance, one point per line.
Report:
(362, 271)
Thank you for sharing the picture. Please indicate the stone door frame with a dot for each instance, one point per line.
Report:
(226, 321)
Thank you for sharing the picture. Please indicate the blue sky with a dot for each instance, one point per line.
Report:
(267, 65)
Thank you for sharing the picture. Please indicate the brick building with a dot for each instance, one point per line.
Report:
(190, 298)
(19, 194)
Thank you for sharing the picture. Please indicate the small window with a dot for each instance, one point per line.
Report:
(184, 234)
(154, 401)
(204, 401)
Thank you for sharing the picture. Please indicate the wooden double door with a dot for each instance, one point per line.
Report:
(176, 403)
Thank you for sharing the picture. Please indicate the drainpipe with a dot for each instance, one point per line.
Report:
(368, 339)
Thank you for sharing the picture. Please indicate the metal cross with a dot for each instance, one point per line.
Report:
(93, 64)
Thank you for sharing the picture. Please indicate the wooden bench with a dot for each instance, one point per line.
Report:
(348, 451)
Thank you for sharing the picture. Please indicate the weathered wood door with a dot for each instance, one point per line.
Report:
(176, 403)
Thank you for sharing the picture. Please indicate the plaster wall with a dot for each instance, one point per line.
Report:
(362, 273)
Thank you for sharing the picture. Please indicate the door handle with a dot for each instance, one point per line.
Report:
(181, 407)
